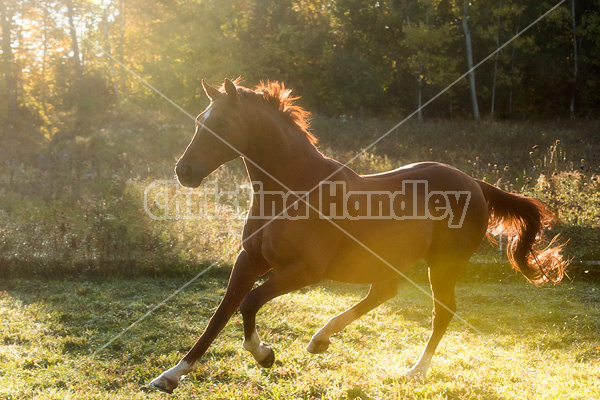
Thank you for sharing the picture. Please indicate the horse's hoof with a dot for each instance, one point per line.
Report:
(162, 389)
(268, 361)
(414, 374)
(318, 346)
(163, 384)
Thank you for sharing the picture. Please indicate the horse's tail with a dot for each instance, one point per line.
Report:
(522, 219)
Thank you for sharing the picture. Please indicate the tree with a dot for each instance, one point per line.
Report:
(344, 57)
(492, 110)
(107, 48)
(575, 59)
(8, 61)
(432, 61)
(469, 49)
(74, 43)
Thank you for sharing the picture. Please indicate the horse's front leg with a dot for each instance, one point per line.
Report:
(292, 277)
(241, 280)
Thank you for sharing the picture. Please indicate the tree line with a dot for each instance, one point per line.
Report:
(353, 57)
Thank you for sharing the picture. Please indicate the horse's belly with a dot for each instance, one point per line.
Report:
(365, 271)
(382, 254)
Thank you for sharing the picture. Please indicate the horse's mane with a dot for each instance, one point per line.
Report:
(275, 94)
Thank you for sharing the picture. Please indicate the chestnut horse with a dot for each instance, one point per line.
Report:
(312, 218)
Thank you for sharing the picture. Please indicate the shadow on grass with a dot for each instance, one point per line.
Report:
(499, 302)
(77, 316)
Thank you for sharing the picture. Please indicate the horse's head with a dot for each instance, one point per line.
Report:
(220, 136)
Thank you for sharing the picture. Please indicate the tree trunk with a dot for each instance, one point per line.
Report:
(492, 111)
(470, 62)
(420, 76)
(44, 54)
(111, 64)
(512, 60)
(420, 92)
(492, 108)
(75, 45)
(575, 58)
(7, 55)
(121, 46)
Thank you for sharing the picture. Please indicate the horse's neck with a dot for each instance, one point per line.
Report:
(283, 158)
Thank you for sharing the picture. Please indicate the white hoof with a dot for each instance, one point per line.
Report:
(415, 373)
(165, 383)
(317, 346)
(262, 353)
(169, 380)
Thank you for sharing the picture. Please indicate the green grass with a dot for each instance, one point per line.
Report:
(532, 342)
(80, 261)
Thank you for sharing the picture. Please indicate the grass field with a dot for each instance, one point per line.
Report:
(80, 261)
(530, 343)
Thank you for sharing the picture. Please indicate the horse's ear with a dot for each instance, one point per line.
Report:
(211, 91)
(230, 88)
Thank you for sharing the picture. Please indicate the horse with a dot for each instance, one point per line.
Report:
(312, 218)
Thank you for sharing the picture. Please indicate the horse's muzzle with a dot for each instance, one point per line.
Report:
(189, 176)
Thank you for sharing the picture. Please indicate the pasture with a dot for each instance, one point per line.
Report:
(81, 261)
(532, 343)
(110, 268)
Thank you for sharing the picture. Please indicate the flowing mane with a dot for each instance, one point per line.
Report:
(275, 95)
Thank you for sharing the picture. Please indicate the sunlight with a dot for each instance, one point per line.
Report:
(110, 268)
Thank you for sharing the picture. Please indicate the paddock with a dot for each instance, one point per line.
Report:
(549, 352)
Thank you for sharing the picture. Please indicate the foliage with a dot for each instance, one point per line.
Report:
(344, 57)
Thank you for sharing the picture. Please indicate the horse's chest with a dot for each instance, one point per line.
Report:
(282, 241)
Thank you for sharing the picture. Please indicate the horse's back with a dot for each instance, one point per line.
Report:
(437, 176)
(415, 171)
(468, 222)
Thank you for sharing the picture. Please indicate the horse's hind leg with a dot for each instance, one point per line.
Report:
(442, 277)
(290, 278)
(378, 294)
